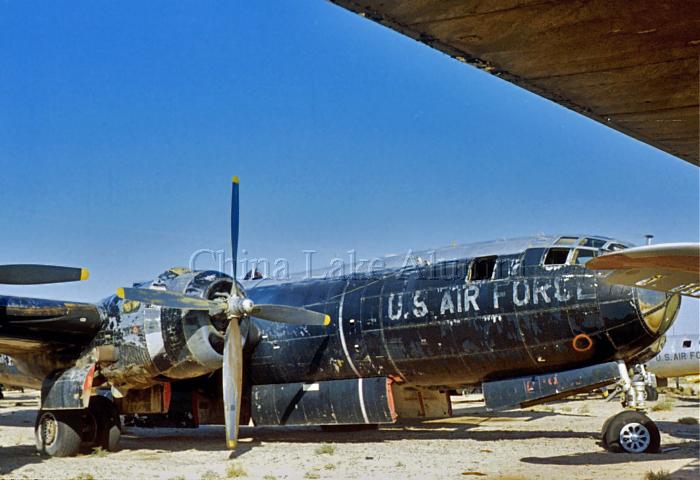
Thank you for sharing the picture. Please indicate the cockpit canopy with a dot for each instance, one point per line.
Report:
(579, 250)
(565, 250)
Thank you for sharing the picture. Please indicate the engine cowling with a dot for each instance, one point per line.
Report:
(161, 344)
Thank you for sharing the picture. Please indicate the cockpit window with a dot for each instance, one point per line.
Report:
(532, 257)
(253, 274)
(556, 256)
(566, 241)
(592, 242)
(482, 268)
(583, 255)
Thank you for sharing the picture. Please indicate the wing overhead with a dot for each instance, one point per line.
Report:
(668, 267)
(32, 324)
(632, 66)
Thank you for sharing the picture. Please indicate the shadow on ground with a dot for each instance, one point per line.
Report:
(144, 442)
(687, 472)
(602, 457)
(18, 418)
(523, 415)
(210, 438)
(679, 430)
(12, 458)
(470, 423)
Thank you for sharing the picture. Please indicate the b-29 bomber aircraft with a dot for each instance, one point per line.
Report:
(531, 320)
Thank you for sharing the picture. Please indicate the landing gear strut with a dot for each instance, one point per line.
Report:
(649, 382)
(631, 431)
(63, 433)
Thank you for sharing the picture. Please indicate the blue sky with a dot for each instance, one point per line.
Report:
(121, 124)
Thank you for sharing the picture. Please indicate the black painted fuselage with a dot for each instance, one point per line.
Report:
(501, 311)
(433, 325)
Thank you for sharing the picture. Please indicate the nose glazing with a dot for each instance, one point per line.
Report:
(658, 309)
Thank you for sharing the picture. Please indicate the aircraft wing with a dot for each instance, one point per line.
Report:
(669, 267)
(30, 325)
(632, 66)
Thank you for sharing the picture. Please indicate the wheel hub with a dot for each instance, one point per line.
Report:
(634, 437)
(49, 427)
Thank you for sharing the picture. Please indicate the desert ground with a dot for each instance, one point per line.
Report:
(559, 441)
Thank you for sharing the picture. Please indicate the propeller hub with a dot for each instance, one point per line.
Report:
(238, 307)
(247, 306)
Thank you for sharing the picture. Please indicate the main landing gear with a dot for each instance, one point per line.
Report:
(631, 431)
(64, 433)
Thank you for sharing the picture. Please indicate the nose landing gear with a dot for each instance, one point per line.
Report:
(631, 431)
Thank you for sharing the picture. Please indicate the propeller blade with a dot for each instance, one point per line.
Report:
(232, 376)
(235, 210)
(39, 274)
(170, 299)
(293, 315)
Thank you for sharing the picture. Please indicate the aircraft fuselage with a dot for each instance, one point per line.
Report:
(432, 327)
(473, 318)
(679, 357)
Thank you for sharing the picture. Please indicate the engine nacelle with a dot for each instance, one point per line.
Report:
(160, 344)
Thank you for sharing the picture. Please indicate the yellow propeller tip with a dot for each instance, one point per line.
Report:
(327, 321)
(84, 274)
(235, 179)
(231, 444)
(120, 293)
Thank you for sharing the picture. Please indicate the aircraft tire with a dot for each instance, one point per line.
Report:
(631, 432)
(57, 432)
(107, 421)
(605, 429)
(652, 393)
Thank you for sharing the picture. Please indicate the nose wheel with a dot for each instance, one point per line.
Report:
(631, 432)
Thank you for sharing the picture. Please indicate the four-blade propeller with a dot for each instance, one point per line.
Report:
(40, 274)
(235, 305)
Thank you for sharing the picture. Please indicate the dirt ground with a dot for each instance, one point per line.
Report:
(559, 441)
